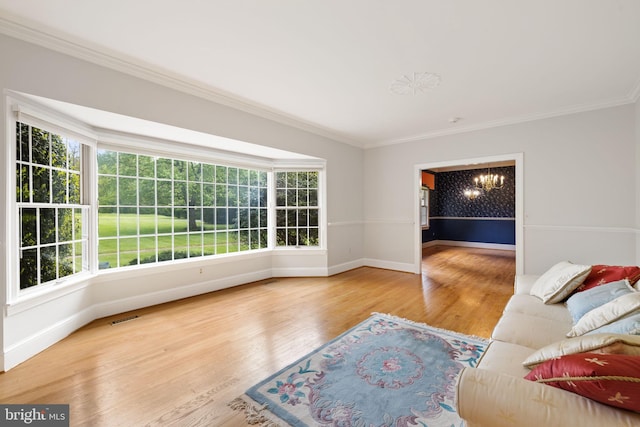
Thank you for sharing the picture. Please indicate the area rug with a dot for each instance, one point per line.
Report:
(386, 371)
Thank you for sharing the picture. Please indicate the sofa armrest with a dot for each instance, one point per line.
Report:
(492, 399)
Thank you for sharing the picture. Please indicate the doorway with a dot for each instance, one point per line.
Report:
(472, 163)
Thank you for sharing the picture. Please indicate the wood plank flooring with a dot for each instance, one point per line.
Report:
(180, 363)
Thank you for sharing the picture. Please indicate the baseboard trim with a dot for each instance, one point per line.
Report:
(341, 268)
(389, 265)
(480, 245)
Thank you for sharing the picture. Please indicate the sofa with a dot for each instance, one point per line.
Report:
(533, 331)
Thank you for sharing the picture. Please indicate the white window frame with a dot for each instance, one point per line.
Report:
(19, 108)
(424, 208)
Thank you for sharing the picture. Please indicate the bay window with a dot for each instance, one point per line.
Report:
(82, 206)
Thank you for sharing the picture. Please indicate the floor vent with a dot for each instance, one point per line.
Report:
(124, 319)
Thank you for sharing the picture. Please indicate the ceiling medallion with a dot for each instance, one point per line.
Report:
(412, 85)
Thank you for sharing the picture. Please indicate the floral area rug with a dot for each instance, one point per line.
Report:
(386, 371)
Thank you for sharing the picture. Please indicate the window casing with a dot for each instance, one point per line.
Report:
(297, 208)
(154, 209)
(424, 207)
(51, 215)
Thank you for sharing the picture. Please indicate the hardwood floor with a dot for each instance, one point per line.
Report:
(180, 363)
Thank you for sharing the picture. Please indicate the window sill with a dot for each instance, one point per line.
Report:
(33, 298)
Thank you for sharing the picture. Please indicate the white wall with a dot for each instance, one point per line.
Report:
(30, 327)
(579, 200)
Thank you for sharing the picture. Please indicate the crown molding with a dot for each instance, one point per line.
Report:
(510, 121)
(18, 28)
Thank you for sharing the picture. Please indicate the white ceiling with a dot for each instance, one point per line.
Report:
(327, 66)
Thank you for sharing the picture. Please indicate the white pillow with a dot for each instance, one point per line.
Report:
(607, 313)
(595, 343)
(559, 281)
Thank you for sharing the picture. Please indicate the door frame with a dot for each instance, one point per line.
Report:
(519, 196)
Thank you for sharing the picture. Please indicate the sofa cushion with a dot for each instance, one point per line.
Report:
(612, 379)
(601, 274)
(529, 331)
(581, 303)
(559, 281)
(528, 304)
(607, 313)
(523, 283)
(506, 358)
(593, 343)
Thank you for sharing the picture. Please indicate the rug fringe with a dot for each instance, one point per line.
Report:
(254, 414)
(412, 322)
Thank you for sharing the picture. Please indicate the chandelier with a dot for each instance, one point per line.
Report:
(489, 181)
(471, 194)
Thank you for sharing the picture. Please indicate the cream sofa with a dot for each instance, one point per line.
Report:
(495, 394)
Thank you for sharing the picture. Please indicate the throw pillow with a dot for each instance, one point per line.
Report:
(630, 324)
(581, 303)
(592, 343)
(612, 379)
(607, 313)
(559, 281)
(601, 274)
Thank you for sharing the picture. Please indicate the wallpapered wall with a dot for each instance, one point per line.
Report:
(448, 204)
(448, 198)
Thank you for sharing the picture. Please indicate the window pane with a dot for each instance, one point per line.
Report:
(107, 222)
(148, 250)
(164, 168)
(147, 192)
(41, 185)
(127, 222)
(179, 193)
(180, 246)
(127, 164)
(128, 191)
(195, 172)
(208, 173)
(74, 151)
(165, 193)
(65, 225)
(107, 190)
(107, 162)
(195, 245)
(23, 184)
(74, 188)
(40, 143)
(58, 152)
(78, 257)
(65, 265)
(59, 186)
(180, 170)
(107, 253)
(128, 251)
(28, 268)
(29, 237)
(48, 264)
(221, 174)
(147, 221)
(47, 226)
(146, 167)
(22, 139)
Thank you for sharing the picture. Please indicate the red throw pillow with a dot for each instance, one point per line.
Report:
(601, 274)
(612, 379)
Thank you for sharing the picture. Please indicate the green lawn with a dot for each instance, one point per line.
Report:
(173, 239)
